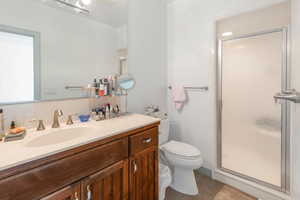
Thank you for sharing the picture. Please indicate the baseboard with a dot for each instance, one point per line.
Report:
(205, 171)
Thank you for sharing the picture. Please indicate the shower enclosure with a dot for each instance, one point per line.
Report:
(253, 129)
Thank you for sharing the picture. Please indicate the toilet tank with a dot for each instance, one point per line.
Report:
(164, 131)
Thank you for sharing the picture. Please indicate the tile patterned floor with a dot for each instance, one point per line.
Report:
(210, 190)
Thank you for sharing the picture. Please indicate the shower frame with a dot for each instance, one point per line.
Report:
(285, 111)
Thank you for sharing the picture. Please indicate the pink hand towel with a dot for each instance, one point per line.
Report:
(179, 96)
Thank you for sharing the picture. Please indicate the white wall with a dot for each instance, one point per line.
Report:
(122, 37)
(70, 44)
(296, 108)
(191, 61)
(256, 21)
(146, 25)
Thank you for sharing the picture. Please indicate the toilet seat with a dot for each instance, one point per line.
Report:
(182, 150)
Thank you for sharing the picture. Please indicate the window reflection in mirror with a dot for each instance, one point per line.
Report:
(19, 65)
(123, 54)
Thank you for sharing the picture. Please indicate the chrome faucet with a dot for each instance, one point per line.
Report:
(57, 114)
(40, 126)
(288, 95)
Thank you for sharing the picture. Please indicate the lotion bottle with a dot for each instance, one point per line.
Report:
(2, 130)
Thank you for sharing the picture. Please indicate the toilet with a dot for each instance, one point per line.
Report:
(165, 177)
(182, 158)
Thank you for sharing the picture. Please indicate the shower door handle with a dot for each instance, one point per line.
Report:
(288, 95)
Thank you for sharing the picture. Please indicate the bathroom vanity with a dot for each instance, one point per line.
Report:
(118, 163)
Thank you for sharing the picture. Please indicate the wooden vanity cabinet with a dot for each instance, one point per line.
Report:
(109, 184)
(143, 175)
(122, 167)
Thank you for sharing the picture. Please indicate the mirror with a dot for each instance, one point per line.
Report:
(50, 46)
(126, 82)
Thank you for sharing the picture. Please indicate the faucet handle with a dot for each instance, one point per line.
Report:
(59, 113)
(41, 125)
(70, 119)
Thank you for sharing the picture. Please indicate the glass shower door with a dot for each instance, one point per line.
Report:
(252, 126)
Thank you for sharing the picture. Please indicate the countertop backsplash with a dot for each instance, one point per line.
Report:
(24, 113)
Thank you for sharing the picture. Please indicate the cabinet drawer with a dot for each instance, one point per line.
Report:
(38, 182)
(143, 140)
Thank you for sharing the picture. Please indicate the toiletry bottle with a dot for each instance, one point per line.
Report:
(110, 81)
(116, 110)
(107, 114)
(107, 111)
(96, 87)
(106, 87)
(94, 114)
(1, 121)
(113, 85)
(12, 125)
(101, 89)
(1, 124)
(103, 115)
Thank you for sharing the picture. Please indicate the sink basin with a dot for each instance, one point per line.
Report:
(59, 136)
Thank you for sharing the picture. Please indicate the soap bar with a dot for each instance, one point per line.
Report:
(14, 137)
(17, 130)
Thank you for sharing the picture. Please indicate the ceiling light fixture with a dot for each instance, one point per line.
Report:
(225, 34)
(77, 7)
(86, 2)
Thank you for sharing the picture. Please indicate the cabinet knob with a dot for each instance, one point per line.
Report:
(135, 168)
(147, 140)
(76, 196)
(89, 193)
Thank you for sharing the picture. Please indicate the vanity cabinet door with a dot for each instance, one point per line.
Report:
(72, 192)
(108, 184)
(143, 179)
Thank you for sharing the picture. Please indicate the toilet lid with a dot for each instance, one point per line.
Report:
(181, 149)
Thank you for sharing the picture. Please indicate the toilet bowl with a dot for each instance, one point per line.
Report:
(183, 159)
(165, 180)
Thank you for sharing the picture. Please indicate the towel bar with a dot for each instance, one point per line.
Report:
(193, 88)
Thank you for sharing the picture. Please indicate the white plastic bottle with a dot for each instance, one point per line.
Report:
(1, 124)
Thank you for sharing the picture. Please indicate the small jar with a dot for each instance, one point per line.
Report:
(2, 136)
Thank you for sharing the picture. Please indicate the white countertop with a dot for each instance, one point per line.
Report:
(19, 152)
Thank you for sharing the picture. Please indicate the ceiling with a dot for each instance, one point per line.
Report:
(111, 12)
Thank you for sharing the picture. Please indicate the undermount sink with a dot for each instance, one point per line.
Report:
(59, 136)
